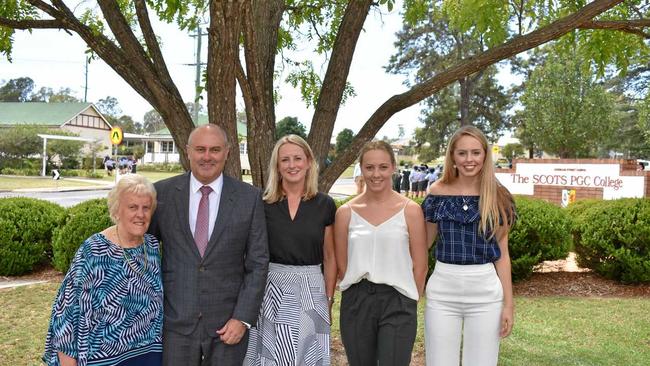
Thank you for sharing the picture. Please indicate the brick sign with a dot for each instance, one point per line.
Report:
(528, 178)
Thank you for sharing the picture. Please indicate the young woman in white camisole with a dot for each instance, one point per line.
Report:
(381, 257)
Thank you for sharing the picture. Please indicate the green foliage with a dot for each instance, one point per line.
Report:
(511, 151)
(82, 221)
(343, 140)
(613, 238)
(16, 90)
(566, 112)
(428, 45)
(290, 125)
(21, 171)
(152, 121)
(644, 119)
(26, 226)
(19, 142)
(161, 167)
(542, 232)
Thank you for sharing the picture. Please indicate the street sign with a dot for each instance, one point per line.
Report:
(116, 135)
(495, 149)
(55, 174)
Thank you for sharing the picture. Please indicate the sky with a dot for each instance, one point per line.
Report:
(55, 59)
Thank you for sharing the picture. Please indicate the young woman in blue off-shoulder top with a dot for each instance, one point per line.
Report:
(469, 294)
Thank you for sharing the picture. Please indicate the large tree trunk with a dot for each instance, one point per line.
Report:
(223, 59)
(261, 24)
(331, 94)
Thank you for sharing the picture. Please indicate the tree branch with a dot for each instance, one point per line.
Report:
(629, 26)
(125, 37)
(33, 24)
(336, 76)
(152, 42)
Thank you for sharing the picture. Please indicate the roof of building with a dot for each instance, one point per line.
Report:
(203, 119)
(42, 114)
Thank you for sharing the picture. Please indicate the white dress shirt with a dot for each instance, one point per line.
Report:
(195, 198)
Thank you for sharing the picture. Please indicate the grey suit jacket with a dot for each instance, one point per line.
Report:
(228, 282)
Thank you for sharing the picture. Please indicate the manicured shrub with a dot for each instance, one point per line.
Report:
(542, 232)
(21, 172)
(26, 226)
(82, 221)
(613, 238)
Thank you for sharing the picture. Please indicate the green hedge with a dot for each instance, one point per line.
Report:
(613, 238)
(82, 221)
(26, 226)
(21, 172)
(542, 232)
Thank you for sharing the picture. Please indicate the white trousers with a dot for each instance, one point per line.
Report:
(464, 303)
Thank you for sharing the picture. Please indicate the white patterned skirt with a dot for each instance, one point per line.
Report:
(293, 327)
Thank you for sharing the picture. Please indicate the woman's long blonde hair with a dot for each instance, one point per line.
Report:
(273, 191)
(495, 201)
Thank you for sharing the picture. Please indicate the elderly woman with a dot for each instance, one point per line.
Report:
(108, 310)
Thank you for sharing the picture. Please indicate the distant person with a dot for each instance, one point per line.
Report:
(431, 177)
(469, 295)
(423, 181)
(109, 164)
(123, 164)
(134, 164)
(358, 178)
(109, 308)
(640, 167)
(413, 181)
(397, 180)
(406, 183)
(215, 256)
(382, 259)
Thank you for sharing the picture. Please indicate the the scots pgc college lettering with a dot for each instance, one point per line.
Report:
(605, 176)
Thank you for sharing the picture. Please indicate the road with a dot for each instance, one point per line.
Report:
(341, 189)
(63, 198)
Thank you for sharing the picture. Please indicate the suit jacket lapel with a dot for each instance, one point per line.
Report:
(182, 202)
(226, 204)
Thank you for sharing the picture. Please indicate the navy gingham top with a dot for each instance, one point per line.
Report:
(459, 240)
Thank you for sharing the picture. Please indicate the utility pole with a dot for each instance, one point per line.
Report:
(86, 85)
(197, 81)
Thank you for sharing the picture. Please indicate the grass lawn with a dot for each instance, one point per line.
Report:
(12, 183)
(348, 173)
(548, 331)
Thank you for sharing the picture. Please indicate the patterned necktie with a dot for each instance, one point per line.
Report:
(203, 220)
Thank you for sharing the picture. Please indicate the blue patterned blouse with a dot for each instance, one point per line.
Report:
(459, 240)
(107, 311)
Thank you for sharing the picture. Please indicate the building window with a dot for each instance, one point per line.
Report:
(167, 146)
(150, 147)
(243, 148)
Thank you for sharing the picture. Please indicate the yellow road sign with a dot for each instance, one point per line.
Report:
(495, 149)
(116, 135)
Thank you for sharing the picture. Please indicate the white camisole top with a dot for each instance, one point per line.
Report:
(380, 254)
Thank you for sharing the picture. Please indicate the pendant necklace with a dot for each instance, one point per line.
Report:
(129, 260)
(465, 207)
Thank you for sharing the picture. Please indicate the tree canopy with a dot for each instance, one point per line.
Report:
(611, 32)
(290, 125)
(565, 111)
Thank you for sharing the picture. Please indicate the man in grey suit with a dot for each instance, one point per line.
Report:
(214, 256)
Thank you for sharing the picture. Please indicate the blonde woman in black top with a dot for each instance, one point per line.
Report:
(294, 323)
